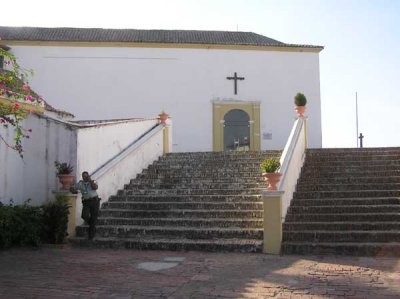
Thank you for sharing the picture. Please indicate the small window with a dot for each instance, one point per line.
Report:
(1, 62)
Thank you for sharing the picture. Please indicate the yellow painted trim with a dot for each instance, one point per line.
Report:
(24, 106)
(166, 140)
(219, 111)
(160, 45)
(71, 200)
(272, 223)
(305, 132)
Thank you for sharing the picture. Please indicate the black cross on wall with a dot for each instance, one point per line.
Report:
(235, 78)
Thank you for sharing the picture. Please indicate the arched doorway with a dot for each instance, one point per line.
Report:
(221, 108)
(236, 130)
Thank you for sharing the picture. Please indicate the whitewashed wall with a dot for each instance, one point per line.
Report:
(106, 82)
(86, 148)
(116, 175)
(34, 176)
(99, 143)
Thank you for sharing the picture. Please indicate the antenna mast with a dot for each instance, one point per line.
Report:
(357, 118)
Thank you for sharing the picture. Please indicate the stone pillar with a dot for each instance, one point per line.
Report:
(166, 139)
(305, 118)
(72, 211)
(272, 202)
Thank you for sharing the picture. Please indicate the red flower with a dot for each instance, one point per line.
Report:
(29, 98)
(26, 87)
(16, 106)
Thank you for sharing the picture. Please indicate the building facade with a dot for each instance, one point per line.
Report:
(223, 90)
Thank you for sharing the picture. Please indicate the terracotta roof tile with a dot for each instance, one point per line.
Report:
(140, 36)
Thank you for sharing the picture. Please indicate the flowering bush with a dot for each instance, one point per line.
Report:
(63, 168)
(15, 88)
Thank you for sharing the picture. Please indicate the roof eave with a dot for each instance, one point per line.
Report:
(272, 47)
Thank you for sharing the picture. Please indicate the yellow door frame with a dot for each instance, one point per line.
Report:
(220, 108)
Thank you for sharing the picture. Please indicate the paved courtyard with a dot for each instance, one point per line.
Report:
(122, 274)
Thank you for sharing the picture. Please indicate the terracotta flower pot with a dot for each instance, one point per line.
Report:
(272, 179)
(163, 117)
(300, 110)
(65, 180)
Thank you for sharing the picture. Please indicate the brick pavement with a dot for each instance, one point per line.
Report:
(122, 274)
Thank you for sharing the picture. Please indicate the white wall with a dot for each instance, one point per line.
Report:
(34, 176)
(99, 143)
(85, 148)
(102, 143)
(99, 83)
(116, 175)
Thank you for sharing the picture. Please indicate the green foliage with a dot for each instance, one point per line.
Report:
(270, 165)
(300, 99)
(25, 225)
(55, 221)
(63, 168)
(20, 225)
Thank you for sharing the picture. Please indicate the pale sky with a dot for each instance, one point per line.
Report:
(361, 40)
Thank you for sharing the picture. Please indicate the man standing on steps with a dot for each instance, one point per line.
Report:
(90, 201)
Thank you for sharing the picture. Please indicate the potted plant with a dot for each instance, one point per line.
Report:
(270, 172)
(300, 101)
(163, 117)
(64, 175)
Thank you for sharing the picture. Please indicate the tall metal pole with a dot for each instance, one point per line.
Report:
(357, 118)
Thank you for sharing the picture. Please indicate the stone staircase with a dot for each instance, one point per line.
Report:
(347, 201)
(187, 201)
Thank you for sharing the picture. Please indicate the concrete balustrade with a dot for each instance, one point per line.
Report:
(277, 202)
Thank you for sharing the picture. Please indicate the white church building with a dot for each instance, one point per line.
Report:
(222, 90)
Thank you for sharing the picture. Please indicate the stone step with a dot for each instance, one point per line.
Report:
(373, 217)
(224, 154)
(368, 170)
(374, 163)
(309, 174)
(185, 222)
(222, 214)
(173, 192)
(198, 181)
(333, 158)
(188, 198)
(212, 169)
(203, 172)
(348, 180)
(347, 201)
(341, 226)
(341, 236)
(348, 248)
(355, 151)
(210, 185)
(127, 231)
(347, 187)
(221, 245)
(190, 164)
(227, 176)
(344, 209)
(345, 194)
(183, 205)
(211, 163)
